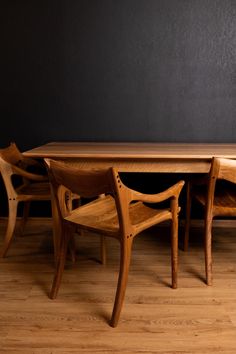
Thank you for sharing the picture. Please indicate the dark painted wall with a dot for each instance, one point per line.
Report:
(109, 70)
(117, 70)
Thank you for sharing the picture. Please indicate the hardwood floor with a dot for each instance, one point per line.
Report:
(155, 318)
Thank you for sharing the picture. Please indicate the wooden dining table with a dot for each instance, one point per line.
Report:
(137, 157)
(132, 157)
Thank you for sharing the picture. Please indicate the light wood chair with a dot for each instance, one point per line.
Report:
(31, 187)
(216, 192)
(122, 213)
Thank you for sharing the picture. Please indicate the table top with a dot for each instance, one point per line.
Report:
(133, 150)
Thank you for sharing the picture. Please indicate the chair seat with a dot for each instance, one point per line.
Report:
(224, 199)
(37, 191)
(101, 215)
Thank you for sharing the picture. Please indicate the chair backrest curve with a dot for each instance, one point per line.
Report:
(8, 157)
(11, 154)
(86, 183)
(227, 169)
(221, 168)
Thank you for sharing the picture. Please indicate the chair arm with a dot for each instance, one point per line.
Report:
(28, 175)
(172, 192)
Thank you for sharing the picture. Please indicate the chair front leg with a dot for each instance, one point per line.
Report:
(125, 255)
(12, 206)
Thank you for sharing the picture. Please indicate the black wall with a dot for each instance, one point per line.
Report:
(118, 70)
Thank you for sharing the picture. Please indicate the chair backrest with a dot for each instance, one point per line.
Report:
(8, 157)
(86, 183)
(89, 184)
(221, 168)
(11, 154)
(227, 170)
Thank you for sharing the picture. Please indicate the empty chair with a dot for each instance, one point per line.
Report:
(30, 186)
(216, 192)
(122, 214)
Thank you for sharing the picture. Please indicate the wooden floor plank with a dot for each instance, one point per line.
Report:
(192, 319)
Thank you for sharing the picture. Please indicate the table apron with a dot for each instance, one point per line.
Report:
(142, 165)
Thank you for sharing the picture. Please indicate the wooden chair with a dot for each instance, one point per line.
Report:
(122, 213)
(218, 198)
(31, 187)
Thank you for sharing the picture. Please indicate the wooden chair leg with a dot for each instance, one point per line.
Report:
(103, 249)
(208, 248)
(60, 264)
(57, 228)
(24, 218)
(174, 250)
(125, 255)
(187, 216)
(12, 205)
(72, 248)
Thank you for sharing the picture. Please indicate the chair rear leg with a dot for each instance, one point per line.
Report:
(24, 218)
(174, 249)
(72, 247)
(60, 265)
(208, 248)
(12, 206)
(187, 216)
(102, 243)
(125, 255)
(103, 249)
